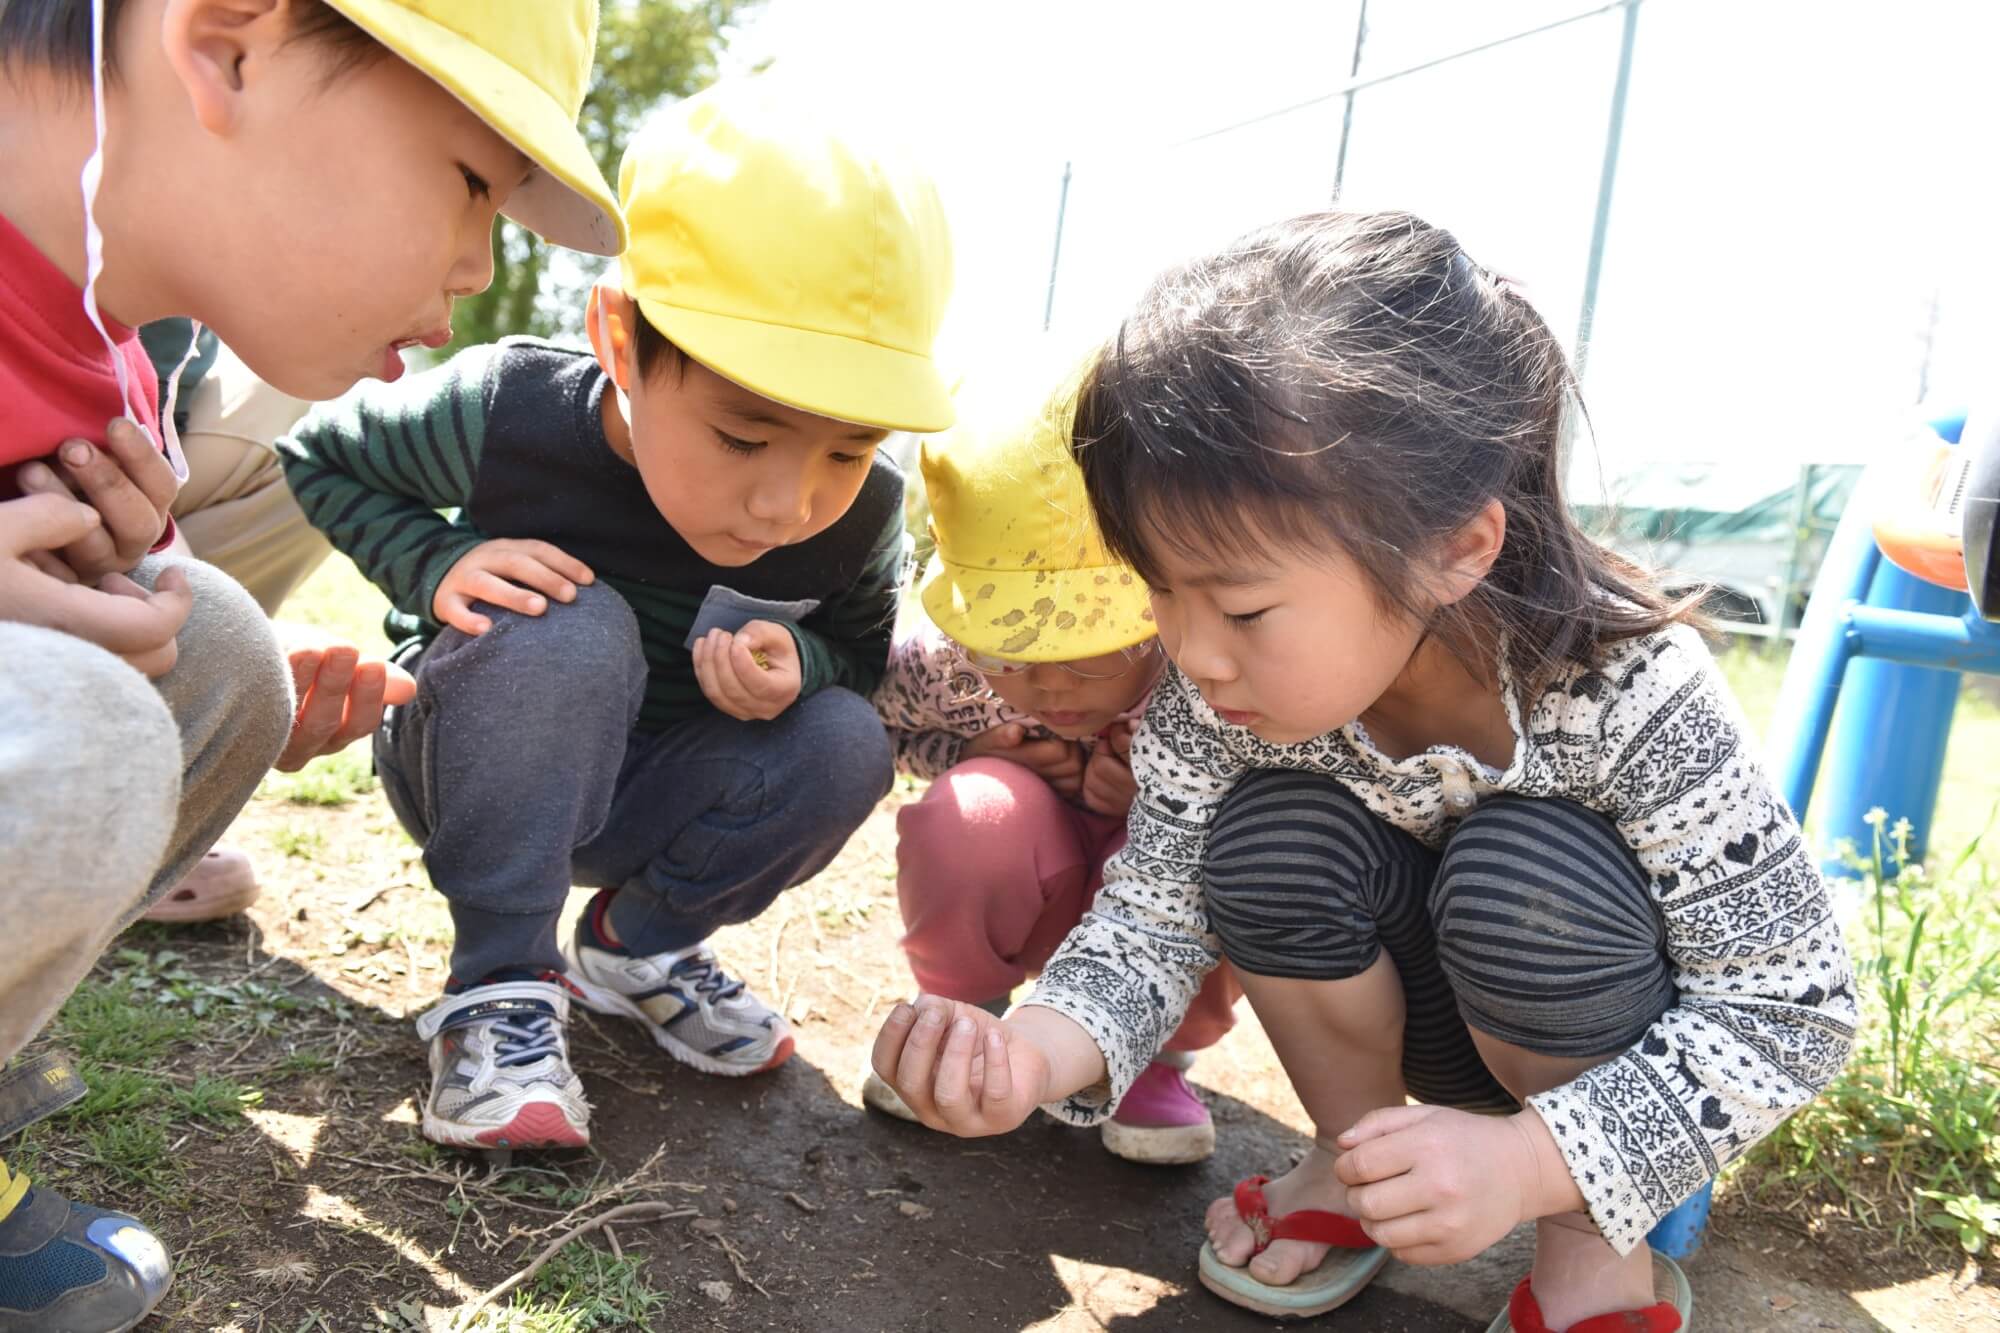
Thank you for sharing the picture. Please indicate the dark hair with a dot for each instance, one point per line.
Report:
(55, 34)
(655, 348)
(1356, 378)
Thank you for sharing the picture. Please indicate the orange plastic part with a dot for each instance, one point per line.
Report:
(1921, 528)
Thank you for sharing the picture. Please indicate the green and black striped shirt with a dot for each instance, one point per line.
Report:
(509, 437)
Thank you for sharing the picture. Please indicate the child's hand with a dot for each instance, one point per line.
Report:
(341, 698)
(1108, 785)
(518, 575)
(119, 616)
(128, 482)
(753, 674)
(1056, 761)
(1436, 1186)
(959, 1068)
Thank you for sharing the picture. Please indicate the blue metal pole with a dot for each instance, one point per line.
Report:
(1804, 716)
(1889, 739)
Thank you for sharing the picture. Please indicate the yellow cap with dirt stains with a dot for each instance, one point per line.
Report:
(1021, 571)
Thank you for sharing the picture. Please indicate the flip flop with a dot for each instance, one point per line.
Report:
(221, 884)
(1672, 1315)
(1347, 1268)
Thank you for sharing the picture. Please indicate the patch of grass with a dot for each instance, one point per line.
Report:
(581, 1289)
(332, 780)
(299, 840)
(215, 1101)
(1907, 1140)
(134, 1148)
(137, 1027)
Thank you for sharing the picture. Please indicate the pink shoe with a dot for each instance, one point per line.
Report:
(1161, 1121)
(221, 884)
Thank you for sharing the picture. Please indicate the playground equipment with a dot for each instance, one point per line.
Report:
(1893, 645)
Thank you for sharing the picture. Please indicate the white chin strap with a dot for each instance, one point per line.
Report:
(93, 253)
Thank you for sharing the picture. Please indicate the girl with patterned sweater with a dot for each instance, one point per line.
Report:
(1015, 682)
(1459, 794)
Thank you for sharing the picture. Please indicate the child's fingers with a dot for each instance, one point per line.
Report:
(485, 586)
(1382, 1200)
(454, 610)
(51, 566)
(889, 1039)
(1404, 1234)
(917, 1068)
(141, 460)
(531, 571)
(559, 561)
(304, 664)
(131, 515)
(1377, 1159)
(45, 522)
(398, 686)
(1383, 1120)
(951, 1086)
(705, 674)
(998, 1091)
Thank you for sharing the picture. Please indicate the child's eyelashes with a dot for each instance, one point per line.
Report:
(1245, 619)
(741, 447)
(475, 184)
(850, 460)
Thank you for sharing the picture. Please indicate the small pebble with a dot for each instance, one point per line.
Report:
(911, 1208)
(719, 1292)
(706, 1226)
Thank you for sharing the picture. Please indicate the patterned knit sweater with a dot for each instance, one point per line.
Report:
(511, 438)
(1765, 1013)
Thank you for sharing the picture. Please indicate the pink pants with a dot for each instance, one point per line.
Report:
(993, 869)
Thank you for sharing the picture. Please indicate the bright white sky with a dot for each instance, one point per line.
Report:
(1798, 180)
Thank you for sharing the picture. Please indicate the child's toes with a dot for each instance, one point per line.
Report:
(1226, 1232)
(1280, 1265)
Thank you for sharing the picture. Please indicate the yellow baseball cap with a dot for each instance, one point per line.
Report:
(1020, 570)
(523, 66)
(800, 264)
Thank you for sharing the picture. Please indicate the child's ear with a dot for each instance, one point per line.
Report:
(207, 44)
(609, 315)
(1470, 553)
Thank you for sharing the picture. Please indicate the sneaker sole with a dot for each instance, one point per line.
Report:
(605, 1001)
(879, 1096)
(536, 1125)
(1176, 1145)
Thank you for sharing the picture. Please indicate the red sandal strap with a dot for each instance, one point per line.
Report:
(1524, 1312)
(1308, 1224)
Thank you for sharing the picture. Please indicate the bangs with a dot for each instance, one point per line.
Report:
(1209, 459)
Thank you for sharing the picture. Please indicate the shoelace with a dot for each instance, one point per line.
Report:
(708, 978)
(525, 1041)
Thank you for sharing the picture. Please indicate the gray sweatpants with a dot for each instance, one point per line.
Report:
(112, 785)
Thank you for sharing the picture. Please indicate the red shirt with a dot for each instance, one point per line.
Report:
(56, 378)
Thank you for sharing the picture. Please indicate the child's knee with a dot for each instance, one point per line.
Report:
(91, 771)
(1286, 877)
(229, 682)
(585, 653)
(986, 799)
(1548, 931)
(851, 756)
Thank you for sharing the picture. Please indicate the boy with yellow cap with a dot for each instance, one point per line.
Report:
(318, 180)
(1015, 688)
(643, 645)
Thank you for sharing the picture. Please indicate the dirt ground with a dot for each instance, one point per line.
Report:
(323, 1210)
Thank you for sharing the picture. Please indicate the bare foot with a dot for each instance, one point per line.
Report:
(1310, 1184)
(1577, 1273)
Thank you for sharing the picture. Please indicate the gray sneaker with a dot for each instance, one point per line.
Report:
(696, 1012)
(500, 1075)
